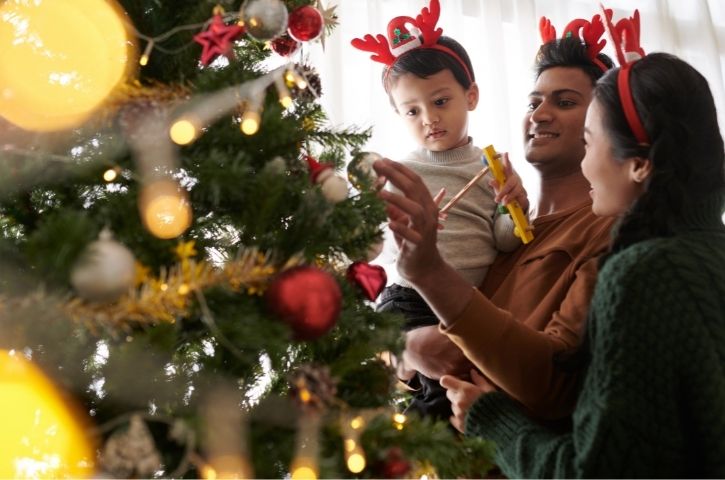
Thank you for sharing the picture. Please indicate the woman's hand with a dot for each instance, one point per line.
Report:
(513, 189)
(463, 394)
(413, 219)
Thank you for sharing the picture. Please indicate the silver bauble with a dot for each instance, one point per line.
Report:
(360, 171)
(334, 188)
(264, 19)
(105, 271)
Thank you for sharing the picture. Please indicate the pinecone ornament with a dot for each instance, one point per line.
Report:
(314, 84)
(313, 388)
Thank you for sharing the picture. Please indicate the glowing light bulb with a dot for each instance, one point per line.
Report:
(357, 423)
(183, 131)
(356, 462)
(250, 122)
(110, 175)
(165, 211)
(144, 60)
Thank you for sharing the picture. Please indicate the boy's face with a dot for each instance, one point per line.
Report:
(554, 122)
(435, 109)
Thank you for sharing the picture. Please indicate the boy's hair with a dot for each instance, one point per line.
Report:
(569, 52)
(424, 62)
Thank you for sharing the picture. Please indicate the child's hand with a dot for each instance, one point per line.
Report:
(513, 189)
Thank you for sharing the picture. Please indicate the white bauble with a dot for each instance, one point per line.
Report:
(105, 271)
(334, 188)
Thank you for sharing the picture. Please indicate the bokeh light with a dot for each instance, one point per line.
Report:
(59, 61)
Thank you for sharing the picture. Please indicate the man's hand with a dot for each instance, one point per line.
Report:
(431, 353)
(463, 394)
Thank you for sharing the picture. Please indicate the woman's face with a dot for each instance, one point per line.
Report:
(615, 183)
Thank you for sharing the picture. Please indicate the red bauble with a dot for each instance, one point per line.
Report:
(306, 298)
(305, 24)
(285, 45)
(370, 278)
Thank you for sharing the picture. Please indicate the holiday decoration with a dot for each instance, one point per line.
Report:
(329, 19)
(370, 278)
(395, 465)
(334, 188)
(360, 171)
(307, 299)
(311, 87)
(30, 408)
(105, 270)
(305, 24)
(165, 210)
(264, 19)
(131, 453)
(67, 58)
(285, 45)
(218, 38)
(313, 387)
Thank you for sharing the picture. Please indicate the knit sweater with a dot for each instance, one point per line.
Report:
(473, 230)
(653, 399)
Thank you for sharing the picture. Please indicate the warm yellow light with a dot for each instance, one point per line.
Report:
(250, 122)
(304, 473)
(183, 289)
(350, 444)
(40, 437)
(253, 22)
(356, 462)
(165, 211)
(286, 101)
(357, 423)
(110, 175)
(305, 395)
(164, 287)
(399, 418)
(208, 473)
(61, 60)
(183, 131)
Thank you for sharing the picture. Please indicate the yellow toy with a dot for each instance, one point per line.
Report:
(522, 229)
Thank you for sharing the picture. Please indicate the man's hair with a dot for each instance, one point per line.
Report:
(569, 52)
(424, 62)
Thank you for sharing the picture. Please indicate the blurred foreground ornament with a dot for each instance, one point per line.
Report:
(40, 436)
(333, 187)
(370, 278)
(131, 453)
(105, 271)
(264, 19)
(305, 24)
(307, 299)
(360, 171)
(61, 60)
(218, 38)
(225, 435)
(307, 448)
(165, 209)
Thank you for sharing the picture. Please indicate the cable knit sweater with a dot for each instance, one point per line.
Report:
(653, 399)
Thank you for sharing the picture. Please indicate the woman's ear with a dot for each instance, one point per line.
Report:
(640, 169)
(472, 96)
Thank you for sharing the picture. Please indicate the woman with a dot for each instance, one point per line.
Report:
(653, 398)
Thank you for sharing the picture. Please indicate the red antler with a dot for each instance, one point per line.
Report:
(628, 29)
(378, 45)
(546, 30)
(427, 22)
(589, 32)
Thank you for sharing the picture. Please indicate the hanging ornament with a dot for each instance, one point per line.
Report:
(395, 465)
(131, 453)
(305, 24)
(105, 271)
(306, 298)
(285, 45)
(67, 59)
(370, 278)
(334, 188)
(218, 38)
(312, 387)
(313, 84)
(264, 19)
(329, 19)
(360, 171)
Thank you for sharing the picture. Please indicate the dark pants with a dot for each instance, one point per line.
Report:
(429, 398)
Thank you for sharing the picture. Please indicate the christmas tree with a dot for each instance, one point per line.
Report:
(185, 289)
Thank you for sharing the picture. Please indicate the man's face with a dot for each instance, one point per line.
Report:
(435, 109)
(554, 122)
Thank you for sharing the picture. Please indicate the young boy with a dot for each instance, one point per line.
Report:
(432, 87)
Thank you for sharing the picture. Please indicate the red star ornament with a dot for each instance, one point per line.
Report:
(217, 39)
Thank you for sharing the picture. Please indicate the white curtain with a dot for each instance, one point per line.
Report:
(502, 38)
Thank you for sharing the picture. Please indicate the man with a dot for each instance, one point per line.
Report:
(533, 304)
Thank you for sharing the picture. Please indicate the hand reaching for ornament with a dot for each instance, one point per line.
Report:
(463, 394)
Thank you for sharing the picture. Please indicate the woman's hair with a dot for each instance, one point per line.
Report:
(424, 62)
(677, 109)
(569, 52)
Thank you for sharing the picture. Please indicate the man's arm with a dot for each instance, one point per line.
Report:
(433, 354)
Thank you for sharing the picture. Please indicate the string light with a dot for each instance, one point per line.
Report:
(294, 78)
(399, 421)
(144, 60)
(357, 423)
(284, 96)
(251, 117)
(356, 462)
(110, 175)
(184, 131)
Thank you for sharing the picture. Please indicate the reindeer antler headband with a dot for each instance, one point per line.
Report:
(625, 37)
(402, 39)
(588, 32)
